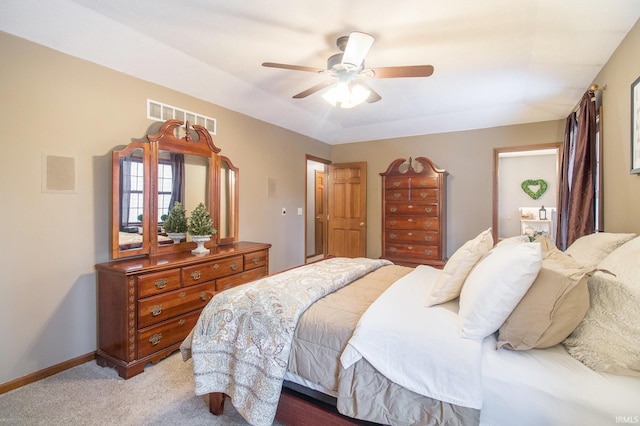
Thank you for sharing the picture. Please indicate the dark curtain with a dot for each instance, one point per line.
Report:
(177, 169)
(576, 209)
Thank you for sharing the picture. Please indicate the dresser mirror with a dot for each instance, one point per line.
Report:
(179, 163)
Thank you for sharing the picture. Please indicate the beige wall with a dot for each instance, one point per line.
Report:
(621, 189)
(58, 105)
(468, 159)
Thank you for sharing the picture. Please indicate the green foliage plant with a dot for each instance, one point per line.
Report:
(200, 222)
(176, 221)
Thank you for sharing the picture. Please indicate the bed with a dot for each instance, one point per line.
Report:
(368, 344)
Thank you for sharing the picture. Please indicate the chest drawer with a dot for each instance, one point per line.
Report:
(417, 237)
(411, 194)
(154, 309)
(238, 279)
(415, 251)
(165, 334)
(212, 270)
(158, 282)
(412, 222)
(424, 182)
(255, 260)
(408, 208)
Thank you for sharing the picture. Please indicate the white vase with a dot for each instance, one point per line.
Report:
(177, 237)
(200, 240)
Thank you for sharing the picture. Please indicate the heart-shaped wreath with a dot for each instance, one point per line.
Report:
(527, 184)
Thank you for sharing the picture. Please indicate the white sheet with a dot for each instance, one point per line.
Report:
(428, 356)
(549, 387)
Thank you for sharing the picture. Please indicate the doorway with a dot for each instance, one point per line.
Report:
(316, 208)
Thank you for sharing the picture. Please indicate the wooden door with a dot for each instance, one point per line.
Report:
(347, 208)
(320, 212)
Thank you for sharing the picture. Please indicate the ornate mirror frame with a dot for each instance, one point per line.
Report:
(196, 142)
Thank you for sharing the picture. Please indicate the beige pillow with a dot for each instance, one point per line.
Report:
(591, 249)
(553, 306)
(608, 338)
(449, 283)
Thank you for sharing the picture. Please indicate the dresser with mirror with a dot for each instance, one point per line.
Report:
(151, 294)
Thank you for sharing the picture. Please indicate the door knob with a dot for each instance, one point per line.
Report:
(361, 223)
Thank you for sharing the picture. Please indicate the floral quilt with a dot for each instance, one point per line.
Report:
(241, 343)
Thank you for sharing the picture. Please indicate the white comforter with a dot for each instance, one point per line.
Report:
(417, 347)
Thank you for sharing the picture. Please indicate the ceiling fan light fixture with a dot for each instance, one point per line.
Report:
(356, 49)
(346, 94)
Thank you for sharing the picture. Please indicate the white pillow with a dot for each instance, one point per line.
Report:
(449, 283)
(495, 286)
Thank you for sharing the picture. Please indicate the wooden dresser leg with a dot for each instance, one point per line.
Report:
(216, 403)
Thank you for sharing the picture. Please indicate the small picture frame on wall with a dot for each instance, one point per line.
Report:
(635, 126)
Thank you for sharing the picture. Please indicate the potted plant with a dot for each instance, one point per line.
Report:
(176, 223)
(201, 228)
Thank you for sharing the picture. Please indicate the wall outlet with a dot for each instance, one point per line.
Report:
(284, 211)
(299, 211)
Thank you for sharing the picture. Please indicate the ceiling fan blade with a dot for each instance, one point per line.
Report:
(406, 71)
(313, 89)
(292, 67)
(373, 96)
(357, 48)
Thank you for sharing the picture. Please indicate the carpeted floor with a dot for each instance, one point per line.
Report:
(91, 395)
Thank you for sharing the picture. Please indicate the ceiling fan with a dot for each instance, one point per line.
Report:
(348, 72)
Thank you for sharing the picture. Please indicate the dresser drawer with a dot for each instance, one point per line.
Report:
(165, 334)
(212, 270)
(424, 182)
(154, 309)
(411, 194)
(396, 183)
(238, 279)
(413, 251)
(416, 237)
(255, 260)
(411, 223)
(408, 208)
(159, 282)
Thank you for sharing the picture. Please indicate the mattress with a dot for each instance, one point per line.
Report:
(549, 387)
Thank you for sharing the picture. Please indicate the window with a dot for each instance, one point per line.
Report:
(165, 188)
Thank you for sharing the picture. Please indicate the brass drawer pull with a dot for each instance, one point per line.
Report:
(428, 224)
(424, 194)
(155, 310)
(234, 266)
(393, 209)
(181, 322)
(393, 236)
(161, 283)
(182, 294)
(203, 296)
(155, 339)
(428, 209)
(393, 223)
(410, 206)
(428, 238)
(428, 252)
(410, 220)
(397, 194)
(396, 183)
(255, 260)
(410, 247)
(410, 234)
(196, 275)
(392, 249)
(216, 266)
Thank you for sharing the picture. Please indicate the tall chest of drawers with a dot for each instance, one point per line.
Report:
(147, 306)
(413, 213)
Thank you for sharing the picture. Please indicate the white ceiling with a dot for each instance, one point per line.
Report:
(497, 62)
